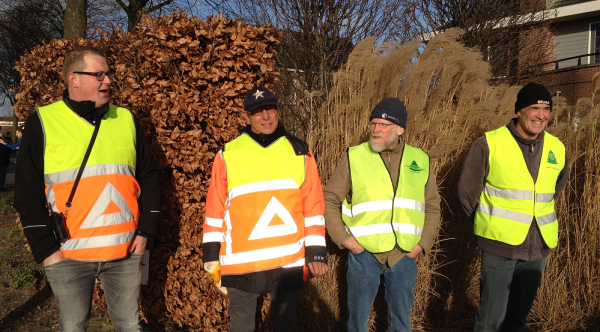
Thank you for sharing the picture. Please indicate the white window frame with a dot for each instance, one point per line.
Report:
(591, 40)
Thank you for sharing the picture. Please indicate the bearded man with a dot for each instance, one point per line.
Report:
(382, 204)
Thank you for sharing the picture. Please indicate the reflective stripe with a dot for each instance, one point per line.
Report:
(346, 211)
(299, 262)
(408, 229)
(261, 254)
(506, 214)
(314, 221)
(406, 203)
(544, 198)
(92, 170)
(509, 193)
(214, 222)
(371, 229)
(546, 219)
(98, 241)
(51, 199)
(213, 237)
(96, 218)
(314, 240)
(261, 186)
(371, 206)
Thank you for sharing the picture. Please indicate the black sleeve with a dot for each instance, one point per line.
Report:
(30, 197)
(316, 254)
(210, 251)
(474, 173)
(146, 174)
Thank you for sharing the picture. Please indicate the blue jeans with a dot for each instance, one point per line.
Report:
(73, 282)
(508, 289)
(363, 276)
(242, 310)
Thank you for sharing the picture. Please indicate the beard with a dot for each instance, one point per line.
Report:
(379, 146)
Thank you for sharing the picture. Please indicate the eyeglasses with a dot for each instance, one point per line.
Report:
(100, 75)
(381, 125)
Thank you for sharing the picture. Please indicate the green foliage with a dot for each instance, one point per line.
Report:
(23, 278)
(107, 323)
(7, 204)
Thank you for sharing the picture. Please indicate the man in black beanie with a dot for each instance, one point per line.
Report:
(264, 228)
(389, 215)
(509, 183)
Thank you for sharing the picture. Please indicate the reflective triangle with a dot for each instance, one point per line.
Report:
(110, 209)
(264, 229)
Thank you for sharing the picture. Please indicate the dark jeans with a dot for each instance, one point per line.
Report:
(508, 289)
(73, 282)
(2, 176)
(364, 271)
(242, 310)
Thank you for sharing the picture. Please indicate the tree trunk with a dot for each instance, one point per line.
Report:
(75, 19)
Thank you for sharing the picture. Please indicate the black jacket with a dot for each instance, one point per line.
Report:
(30, 199)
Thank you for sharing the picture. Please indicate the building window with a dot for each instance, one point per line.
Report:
(595, 42)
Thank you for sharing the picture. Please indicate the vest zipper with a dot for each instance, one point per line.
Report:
(393, 191)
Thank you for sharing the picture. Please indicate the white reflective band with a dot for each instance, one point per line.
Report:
(314, 221)
(406, 203)
(544, 198)
(261, 254)
(299, 262)
(214, 222)
(509, 193)
(346, 211)
(371, 206)
(91, 170)
(261, 186)
(213, 237)
(314, 240)
(546, 219)
(371, 229)
(408, 229)
(506, 214)
(98, 241)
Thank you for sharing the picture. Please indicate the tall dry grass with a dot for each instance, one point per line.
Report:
(450, 104)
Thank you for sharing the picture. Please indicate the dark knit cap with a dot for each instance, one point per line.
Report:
(391, 109)
(259, 97)
(532, 94)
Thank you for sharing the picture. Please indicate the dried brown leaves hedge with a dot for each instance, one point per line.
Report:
(185, 80)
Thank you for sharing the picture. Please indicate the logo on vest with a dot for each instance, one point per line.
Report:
(264, 229)
(414, 167)
(552, 158)
(110, 209)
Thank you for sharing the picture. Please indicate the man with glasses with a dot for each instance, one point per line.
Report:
(382, 204)
(264, 227)
(115, 207)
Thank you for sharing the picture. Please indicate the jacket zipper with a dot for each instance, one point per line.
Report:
(393, 191)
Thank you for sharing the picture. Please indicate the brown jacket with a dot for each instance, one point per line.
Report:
(472, 182)
(339, 185)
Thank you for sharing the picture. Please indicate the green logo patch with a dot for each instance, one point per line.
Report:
(414, 167)
(552, 158)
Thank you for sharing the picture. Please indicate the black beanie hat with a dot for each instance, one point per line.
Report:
(532, 94)
(259, 97)
(391, 109)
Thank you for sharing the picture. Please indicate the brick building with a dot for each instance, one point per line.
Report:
(571, 49)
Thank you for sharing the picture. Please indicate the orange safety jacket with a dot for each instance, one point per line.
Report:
(265, 205)
(103, 219)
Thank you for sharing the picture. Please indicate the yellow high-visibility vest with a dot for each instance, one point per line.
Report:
(104, 215)
(378, 217)
(510, 199)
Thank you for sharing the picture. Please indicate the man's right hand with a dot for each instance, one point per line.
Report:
(352, 245)
(57, 256)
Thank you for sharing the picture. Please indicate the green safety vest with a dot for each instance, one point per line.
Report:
(511, 199)
(376, 216)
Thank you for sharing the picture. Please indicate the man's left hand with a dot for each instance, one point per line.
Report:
(415, 252)
(138, 246)
(318, 269)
